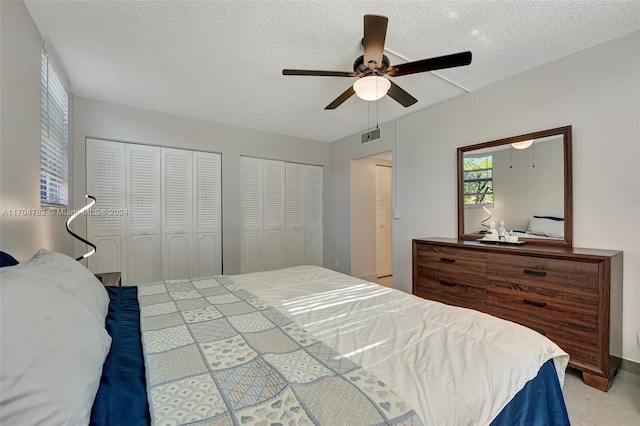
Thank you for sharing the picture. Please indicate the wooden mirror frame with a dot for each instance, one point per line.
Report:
(568, 183)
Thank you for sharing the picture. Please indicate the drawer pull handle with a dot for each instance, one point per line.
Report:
(447, 283)
(447, 260)
(534, 303)
(535, 272)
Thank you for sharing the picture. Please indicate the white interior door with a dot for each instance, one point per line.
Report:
(252, 229)
(274, 215)
(207, 247)
(295, 214)
(314, 215)
(177, 215)
(106, 223)
(144, 219)
(384, 253)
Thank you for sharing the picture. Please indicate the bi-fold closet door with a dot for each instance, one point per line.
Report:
(171, 198)
(281, 214)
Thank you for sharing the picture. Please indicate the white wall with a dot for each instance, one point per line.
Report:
(20, 49)
(122, 123)
(596, 90)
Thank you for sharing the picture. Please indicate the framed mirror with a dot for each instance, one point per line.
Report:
(523, 182)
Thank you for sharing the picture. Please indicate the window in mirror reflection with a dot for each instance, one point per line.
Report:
(478, 180)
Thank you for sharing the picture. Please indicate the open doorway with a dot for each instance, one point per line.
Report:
(371, 218)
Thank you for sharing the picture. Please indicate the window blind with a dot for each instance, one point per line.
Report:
(54, 135)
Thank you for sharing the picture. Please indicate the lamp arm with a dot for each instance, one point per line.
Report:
(73, 216)
(490, 214)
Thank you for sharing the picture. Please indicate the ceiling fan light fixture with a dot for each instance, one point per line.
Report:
(522, 145)
(372, 87)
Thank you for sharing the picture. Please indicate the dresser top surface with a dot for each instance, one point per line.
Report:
(527, 249)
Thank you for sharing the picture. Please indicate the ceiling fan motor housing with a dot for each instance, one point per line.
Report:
(363, 69)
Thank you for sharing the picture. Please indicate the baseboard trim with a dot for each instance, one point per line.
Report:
(630, 366)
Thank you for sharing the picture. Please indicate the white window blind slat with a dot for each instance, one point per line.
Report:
(54, 135)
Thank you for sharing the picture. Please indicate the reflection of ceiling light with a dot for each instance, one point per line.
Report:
(372, 87)
(522, 145)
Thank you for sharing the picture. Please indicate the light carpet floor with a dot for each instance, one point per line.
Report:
(620, 406)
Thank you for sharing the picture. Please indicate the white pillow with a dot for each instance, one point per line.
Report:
(71, 276)
(546, 227)
(52, 353)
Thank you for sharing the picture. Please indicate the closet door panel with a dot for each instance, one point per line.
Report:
(144, 258)
(206, 214)
(111, 254)
(176, 261)
(144, 224)
(295, 214)
(177, 221)
(274, 218)
(314, 215)
(105, 162)
(252, 211)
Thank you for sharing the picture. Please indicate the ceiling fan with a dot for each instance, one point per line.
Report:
(371, 68)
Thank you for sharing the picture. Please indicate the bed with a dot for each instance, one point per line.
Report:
(301, 345)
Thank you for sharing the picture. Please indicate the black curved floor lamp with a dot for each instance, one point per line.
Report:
(73, 216)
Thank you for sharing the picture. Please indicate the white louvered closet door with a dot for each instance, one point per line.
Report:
(295, 213)
(313, 254)
(106, 181)
(144, 221)
(177, 215)
(384, 257)
(207, 241)
(252, 214)
(274, 215)
(263, 213)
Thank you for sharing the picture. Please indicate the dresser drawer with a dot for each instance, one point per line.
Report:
(449, 259)
(581, 345)
(459, 285)
(549, 304)
(450, 299)
(568, 275)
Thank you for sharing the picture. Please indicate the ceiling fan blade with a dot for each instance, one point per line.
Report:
(320, 73)
(401, 96)
(432, 64)
(340, 99)
(375, 32)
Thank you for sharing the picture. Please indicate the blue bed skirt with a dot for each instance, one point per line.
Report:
(539, 403)
(122, 397)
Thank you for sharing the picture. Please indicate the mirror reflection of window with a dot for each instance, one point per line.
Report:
(478, 181)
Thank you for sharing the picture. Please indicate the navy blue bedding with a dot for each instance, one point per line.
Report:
(539, 403)
(122, 396)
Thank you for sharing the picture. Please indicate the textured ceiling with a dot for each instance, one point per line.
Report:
(222, 61)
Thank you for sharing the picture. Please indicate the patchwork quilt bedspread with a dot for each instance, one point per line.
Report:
(215, 353)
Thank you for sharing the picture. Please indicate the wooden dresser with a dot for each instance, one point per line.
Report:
(571, 295)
